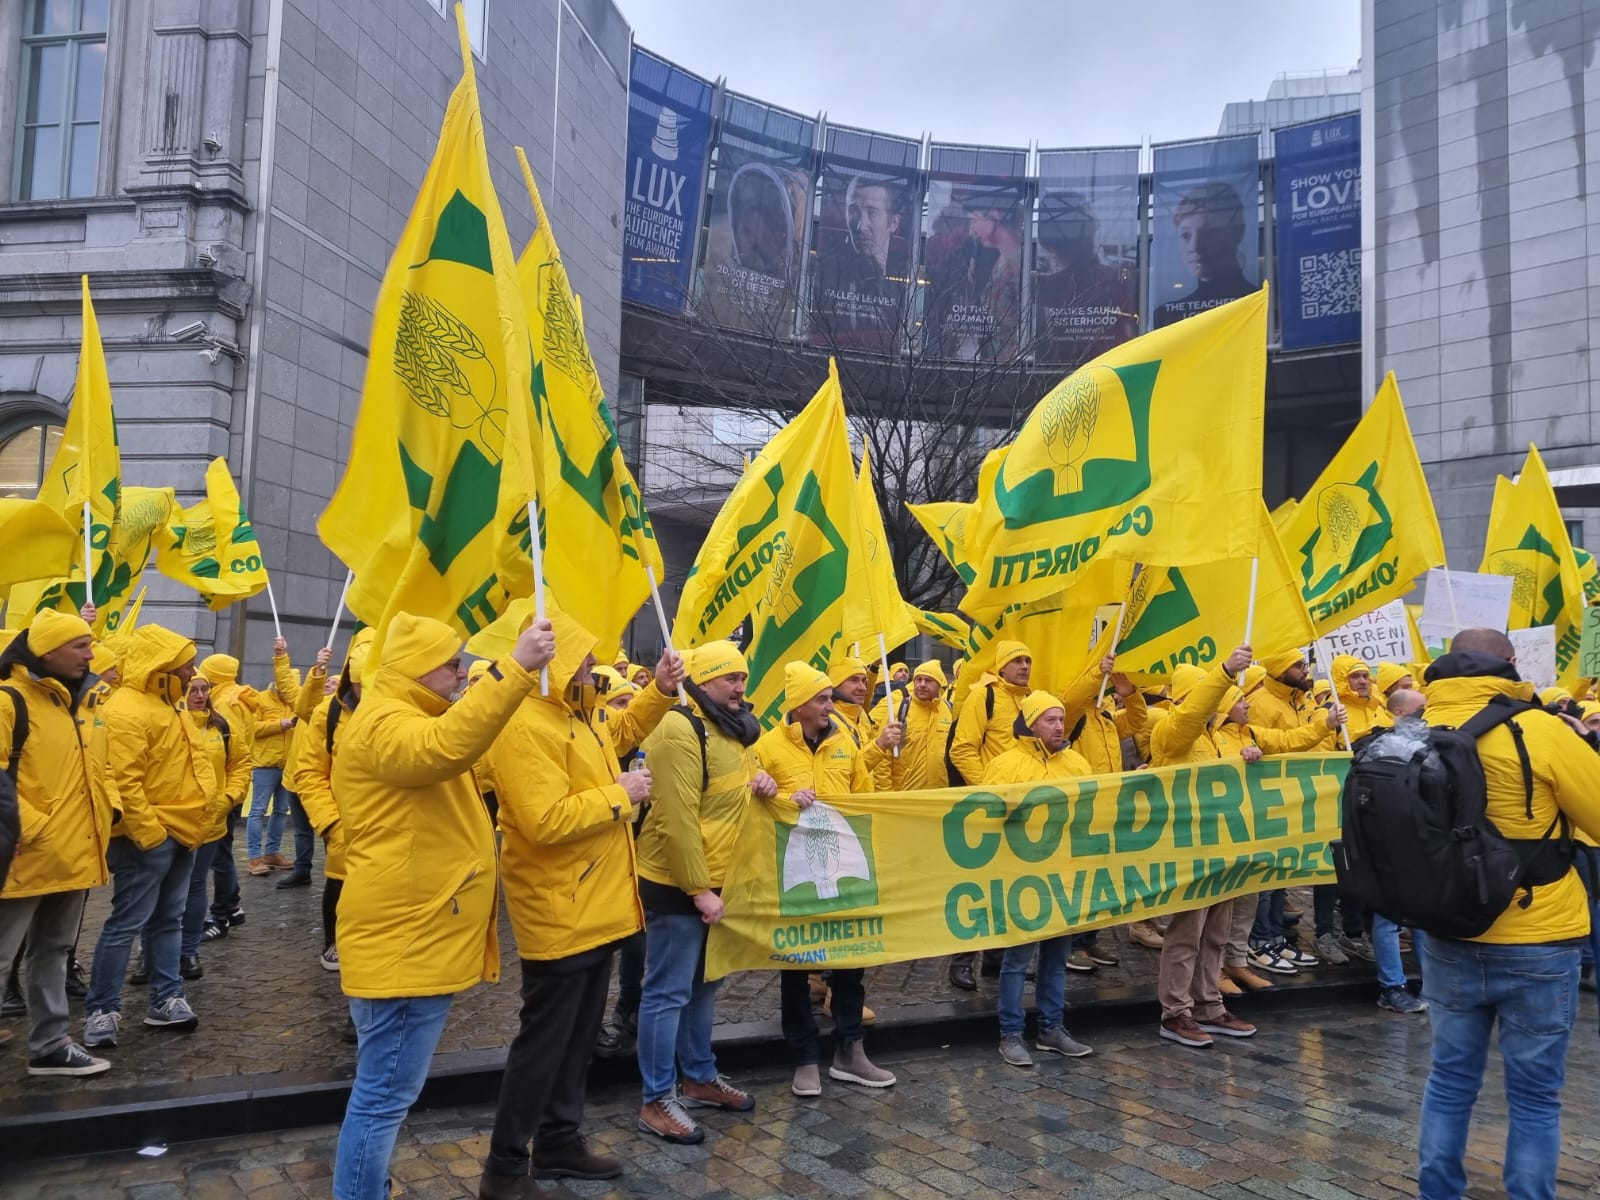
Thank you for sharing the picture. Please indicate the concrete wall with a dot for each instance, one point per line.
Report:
(1483, 285)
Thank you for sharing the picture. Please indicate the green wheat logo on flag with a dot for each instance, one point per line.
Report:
(825, 863)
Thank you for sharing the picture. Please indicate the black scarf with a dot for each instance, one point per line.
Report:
(741, 724)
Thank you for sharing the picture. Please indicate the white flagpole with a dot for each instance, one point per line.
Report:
(536, 549)
(883, 659)
(88, 555)
(1250, 613)
(1327, 670)
(1116, 636)
(333, 633)
(661, 612)
(273, 604)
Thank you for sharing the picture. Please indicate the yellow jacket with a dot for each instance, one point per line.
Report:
(688, 835)
(920, 764)
(1362, 715)
(860, 721)
(312, 781)
(229, 765)
(837, 767)
(1231, 738)
(566, 855)
(64, 794)
(979, 738)
(417, 914)
(1566, 778)
(1276, 705)
(306, 700)
(238, 706)
(1028, 761)
(1185, 735)
(1104, 725)
(167, 789)
(270, 746)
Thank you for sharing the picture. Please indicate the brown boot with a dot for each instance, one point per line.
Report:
(867, 1015)
(278, 862)
(666, 1119)
(818, 988)
(507, 1187)
(574, 1160)
(1143, 933)
(1228, 987)
(1247, 979)
(716, 1093)
(258, 866)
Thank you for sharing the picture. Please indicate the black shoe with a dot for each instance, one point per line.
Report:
(961, 977)
(77, 989)
(626, 1018)
(615, 1043)
(573, 1161)
(213, 931)
(294, 879)
(141, 974)
(189, 966)
(13, 1005)
(348, 1035)
(236, 917)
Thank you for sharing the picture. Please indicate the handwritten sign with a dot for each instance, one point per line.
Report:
(1589, 650)
(1457, 600)
(1383, 635)
(1536, 654)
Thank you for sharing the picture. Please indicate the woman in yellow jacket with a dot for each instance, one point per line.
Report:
(417, 915)
(302, 699)
(311, 777)
(168, 792)
(229, 765)
(567, 867)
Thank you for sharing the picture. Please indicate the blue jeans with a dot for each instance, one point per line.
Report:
(149, 891)
(397, 1039)
(225, 874)
(267, 792)
(1269, 927)
(1049, 987)
(305, 837)
(1386, 949)
(677, 1008)
(1533, 991)
(194, 912)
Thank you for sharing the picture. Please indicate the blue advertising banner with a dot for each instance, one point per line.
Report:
(1319, 232)
(669, 129)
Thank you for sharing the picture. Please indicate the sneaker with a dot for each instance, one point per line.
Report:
(1329, 952)
(1185, 1032)
(329, 959)
(213, 931)
(666, 1119)
(295, 879)
(1144, 933)
(77, 986)
(1294, 953)
(807, 1080)
(1102, 956)
(1227, 1025)
(1059, 1041)
(13, 1005)
(71, 1059)
(1014, 1052)
(1359, 948)
(189, 967)
(851, 1065)
(258, 867)
(1079, 960)
(1246, 979)
(236, 917)
(1400, 1000)
(101, 1029)
(172, 1013)
(1267, 958)
(714, 1093)
(573, 1160)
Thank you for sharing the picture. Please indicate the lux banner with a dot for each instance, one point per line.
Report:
(858, 881)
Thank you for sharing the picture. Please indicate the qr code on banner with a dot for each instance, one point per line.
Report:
(1330, 284)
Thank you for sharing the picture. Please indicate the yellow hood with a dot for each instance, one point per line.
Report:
(149, 656)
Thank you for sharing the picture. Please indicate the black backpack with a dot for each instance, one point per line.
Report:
(10, 813)
(957, 779)
(1417, 843)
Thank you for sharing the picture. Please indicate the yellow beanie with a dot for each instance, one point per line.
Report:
(839, 671)
(1280, 664)
(1254, 676)
(803, 683)
(52, 630)
(1184, 678)
(1035, 704)
(714, 660)
(1391, 675)
(1005, 651)
(932, 670)
(105, 659)
(895, 669)
(355, 659)
(481, 668)
(1229, 699)
(1554, 695)
(220, 668)
(416, 645)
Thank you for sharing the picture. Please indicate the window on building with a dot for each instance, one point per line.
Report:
(629, 416)
(63, 79)
(1574, 530)
(24, 454)
(477, 24)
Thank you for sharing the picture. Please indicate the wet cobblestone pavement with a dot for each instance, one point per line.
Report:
(1322, 1105)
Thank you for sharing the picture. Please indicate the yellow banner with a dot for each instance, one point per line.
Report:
(1367, 528)
(858, 881)
(1150, 453)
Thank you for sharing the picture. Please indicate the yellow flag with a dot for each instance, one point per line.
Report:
(1367, 528)
(1197, 614)
(1528, 541)
(36, 542)
(1150, 453)
(948, 629)
(946, 523)
(142, 511)
(1284, 513)
(1589, 571)
(872, 569)
(211, 545)
(130, 615)
(86, 469)
(598, 538)
(431, 514)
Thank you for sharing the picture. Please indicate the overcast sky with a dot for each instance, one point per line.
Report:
(1059, 72)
